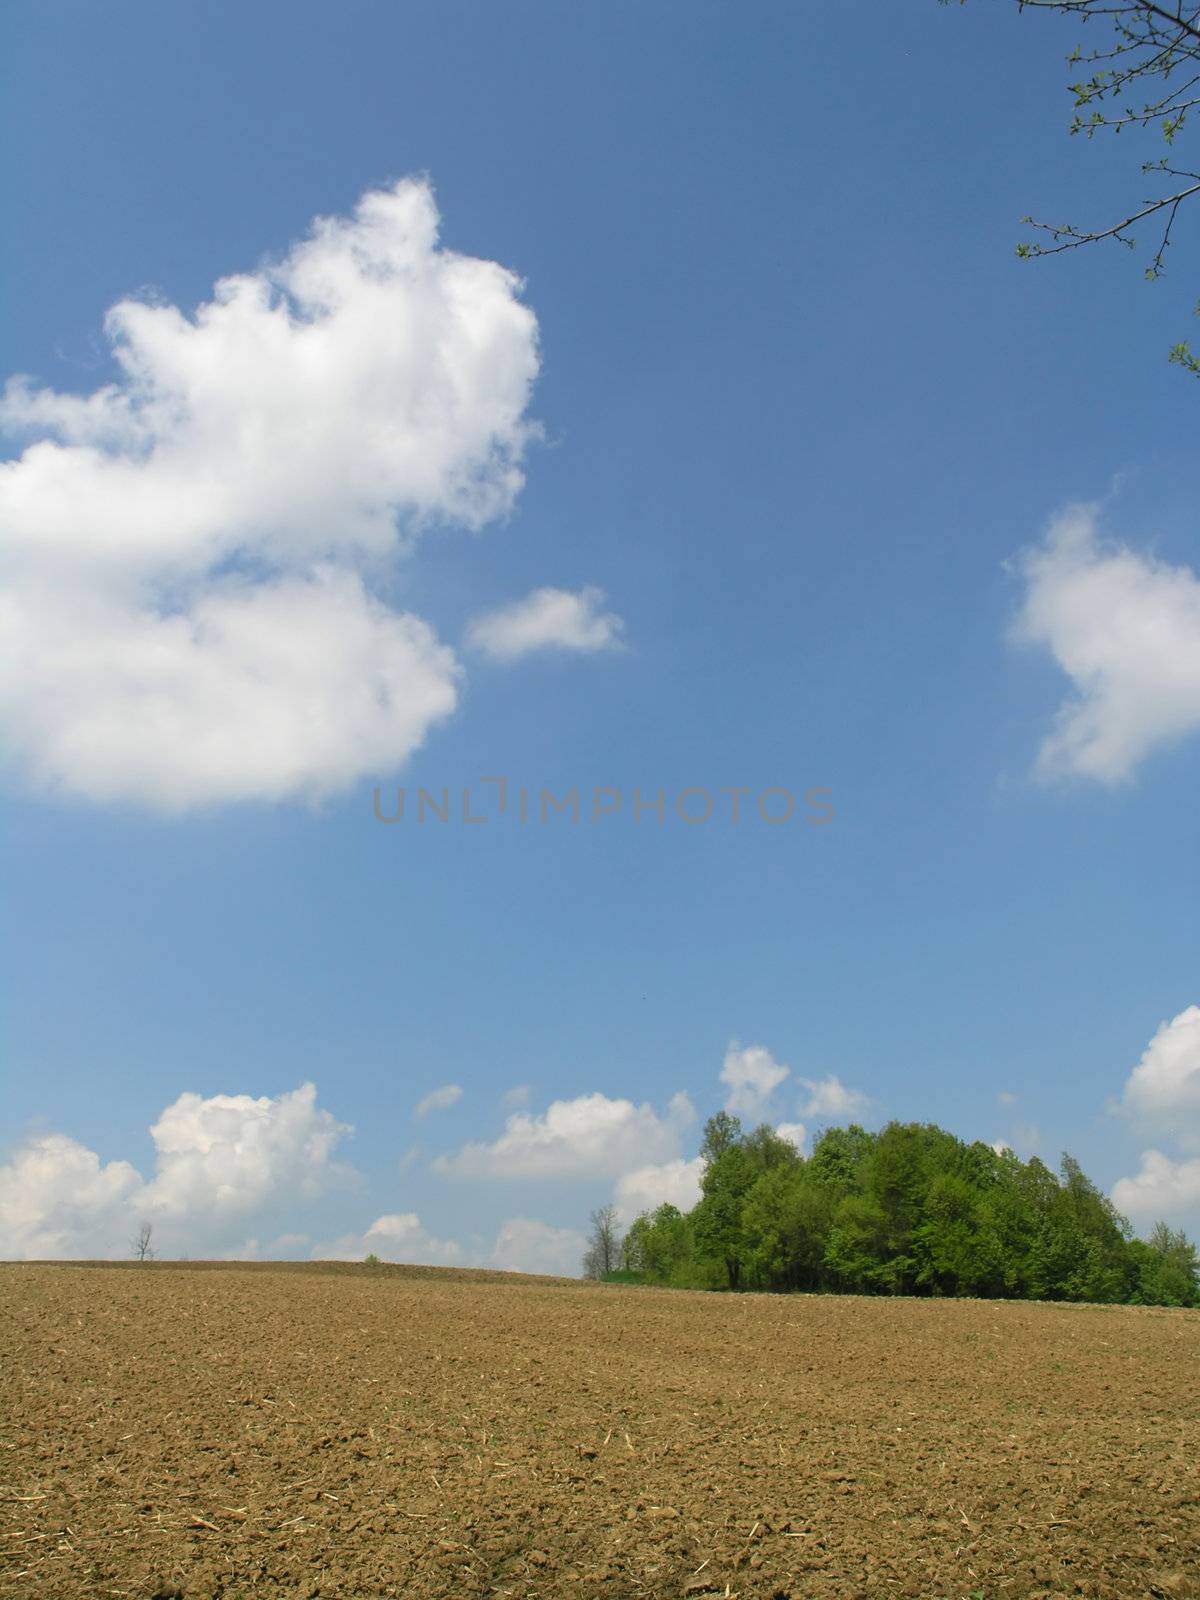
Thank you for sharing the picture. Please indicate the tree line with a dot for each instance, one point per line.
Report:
(910, 1210)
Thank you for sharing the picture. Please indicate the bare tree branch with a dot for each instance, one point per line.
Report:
(1188, 25)
(1071, 238)
(1151, 43)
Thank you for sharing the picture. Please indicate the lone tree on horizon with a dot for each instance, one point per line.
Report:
(603, 1253)
(140, 1244)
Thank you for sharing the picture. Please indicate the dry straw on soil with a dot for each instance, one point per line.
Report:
(318, 1431)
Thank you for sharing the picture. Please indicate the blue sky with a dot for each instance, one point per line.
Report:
(755, 459)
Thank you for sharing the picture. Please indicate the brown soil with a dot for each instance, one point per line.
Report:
(317, 1431)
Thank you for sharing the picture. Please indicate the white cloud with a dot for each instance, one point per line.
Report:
(515, 1097)
(751, 1075)
(829, 1097)
(246, 1251)
(646, 1188)
(190, 549)
(56, 1199)
(587, 1137)
(1162, 1094)
(286, 1245)
(1125, 628)
(217, 1160)
(526, 1245)
(230, 1153)
(1163, 1090)
(1163, 1188)
(258, 691)
(547, 619)
(398, 1236)
(1005, 1098)
(522, 1244)
(438, 1100)
(794, 1132)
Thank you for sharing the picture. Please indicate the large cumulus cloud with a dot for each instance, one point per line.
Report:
(195, 555)
(219, 1160)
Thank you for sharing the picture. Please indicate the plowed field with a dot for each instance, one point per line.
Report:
(316, 1431)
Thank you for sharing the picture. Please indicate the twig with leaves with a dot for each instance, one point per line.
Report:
(1151, 42)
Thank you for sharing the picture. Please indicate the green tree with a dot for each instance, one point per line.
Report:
(908, 1210)
(721, 1133)
(949, 1243)
(839, 1156)
(717, 1219)
(1008, 1223)
(664, 1245)
(857, 1253)
(903, 1161)
(786, 1219)
(1103, 1271)
(1167, 1272)
(633, 1246)
(765, 1149)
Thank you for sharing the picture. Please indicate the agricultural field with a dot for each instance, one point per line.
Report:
(339, 1430)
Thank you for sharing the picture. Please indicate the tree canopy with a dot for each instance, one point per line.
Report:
(909, 1210)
